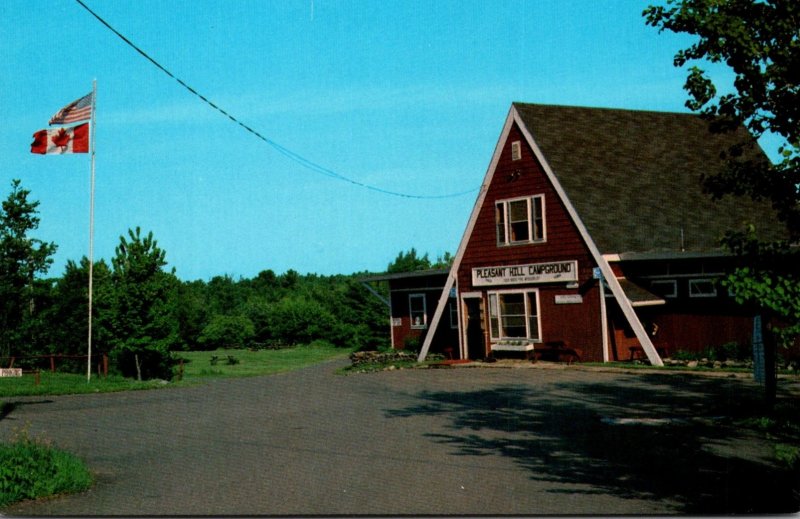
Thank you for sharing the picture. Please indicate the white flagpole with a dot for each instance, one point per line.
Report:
(91, 235)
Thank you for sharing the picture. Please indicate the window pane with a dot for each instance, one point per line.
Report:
(518, 220)
(533, 308)
(538, 220)
(512, 315)
(500, 221)
(416, 305)
(533, 316)
(702, 288)
(514, 327)
(512, 304)
(518, 211)
(494, 323)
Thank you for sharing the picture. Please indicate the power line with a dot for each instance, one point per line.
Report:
(299, 159)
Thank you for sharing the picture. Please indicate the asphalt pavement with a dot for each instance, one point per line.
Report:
(423, 442)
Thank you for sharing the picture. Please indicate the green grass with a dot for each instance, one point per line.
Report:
(68, 384)
(632, 365)
(198, 364)
(30, 469)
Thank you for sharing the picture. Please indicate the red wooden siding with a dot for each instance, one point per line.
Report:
(578, 324)
(431, 287)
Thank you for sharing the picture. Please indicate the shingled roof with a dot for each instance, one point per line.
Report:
(634, 178)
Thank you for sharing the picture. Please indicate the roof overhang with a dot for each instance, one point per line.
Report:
(664, 255)
(639, 296)
(405, 275)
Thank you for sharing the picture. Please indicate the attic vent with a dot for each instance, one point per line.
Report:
(516, 150)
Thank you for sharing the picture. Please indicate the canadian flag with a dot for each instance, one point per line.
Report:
(62, 140)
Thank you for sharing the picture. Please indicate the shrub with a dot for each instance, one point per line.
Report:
(412, 344)
(29, 470)
(297, 320)
(227, 331)
(788, 455)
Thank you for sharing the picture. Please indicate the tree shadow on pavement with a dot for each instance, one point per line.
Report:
(650, 437)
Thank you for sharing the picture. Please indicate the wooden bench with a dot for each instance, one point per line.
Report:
(559, 350)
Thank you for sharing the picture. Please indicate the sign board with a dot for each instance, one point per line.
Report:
(569, 299)
(397, 321)
(553, 272)
(10, 372)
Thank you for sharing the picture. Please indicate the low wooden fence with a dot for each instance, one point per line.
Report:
(51, 361)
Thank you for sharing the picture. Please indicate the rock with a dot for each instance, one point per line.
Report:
(691, 364)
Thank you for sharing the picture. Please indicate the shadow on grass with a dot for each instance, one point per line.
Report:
(651, 437)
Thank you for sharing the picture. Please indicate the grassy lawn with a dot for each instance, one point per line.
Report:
(247, 363)
(197, 366)
(68, 384)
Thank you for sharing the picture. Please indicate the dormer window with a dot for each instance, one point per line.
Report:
(520, 220)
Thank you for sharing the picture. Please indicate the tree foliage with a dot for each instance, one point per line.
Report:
(23, 260)
(142, 312)
(760, 42)
(141, 315)
(410, 261)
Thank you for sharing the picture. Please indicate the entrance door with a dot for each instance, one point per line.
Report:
(476, 339)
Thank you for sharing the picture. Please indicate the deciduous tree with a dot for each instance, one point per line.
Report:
(141, 314)
(23, 260)
(760, 42)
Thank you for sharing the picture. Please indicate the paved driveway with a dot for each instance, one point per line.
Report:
(449, 441)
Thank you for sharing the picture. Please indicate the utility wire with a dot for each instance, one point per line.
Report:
(299, 159)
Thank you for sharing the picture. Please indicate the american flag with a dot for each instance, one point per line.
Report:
(80, 110)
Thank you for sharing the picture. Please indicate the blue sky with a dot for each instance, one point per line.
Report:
(407, 96)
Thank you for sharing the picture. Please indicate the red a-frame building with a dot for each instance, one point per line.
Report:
(592, 231)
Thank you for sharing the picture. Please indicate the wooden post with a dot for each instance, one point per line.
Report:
(105, 365)
(52, 363)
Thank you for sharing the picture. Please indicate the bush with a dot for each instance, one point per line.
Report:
(728, 351)
(154, 360)
(227, 331)
(296, 320)
(29, 470)
(412, 344)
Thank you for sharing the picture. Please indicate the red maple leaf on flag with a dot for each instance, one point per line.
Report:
(61, 139)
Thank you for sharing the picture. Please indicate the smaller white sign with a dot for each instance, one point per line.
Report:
(10, 372)
(397, 321)
(569, 299)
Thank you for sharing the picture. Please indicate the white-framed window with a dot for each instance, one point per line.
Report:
(520, 220)
(417, 311)
(665, 287)
(453, 313)
(705, 287)
(516, 150)
(514, 314)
